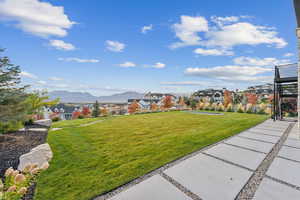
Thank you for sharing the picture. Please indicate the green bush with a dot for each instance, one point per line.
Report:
(80, 117)
(10, 126)
(28, 122)
(229, 110)
(56, 119)
(261, 112)
(240, 110)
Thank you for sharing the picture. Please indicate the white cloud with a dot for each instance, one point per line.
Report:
(36, 17)
(127, 64)
(145, 29)
(54, 78)
(213, 52)
(224, 32)
(224, 20)
(28, 75)
(288, 55)
(250, 61)
(159, 65)
(79, 60)
(187, 30)
(115, 46)
(230, 72)
(185, 83)
(243, 33)
(61, 45)
(40, 82)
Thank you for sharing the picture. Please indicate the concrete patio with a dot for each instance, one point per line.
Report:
(261, 163)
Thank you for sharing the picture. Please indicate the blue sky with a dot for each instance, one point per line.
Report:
(111, 46)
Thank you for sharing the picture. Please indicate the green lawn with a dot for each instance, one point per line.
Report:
(75, 123)
(92, 160)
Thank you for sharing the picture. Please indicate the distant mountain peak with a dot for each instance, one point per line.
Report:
(86, 97)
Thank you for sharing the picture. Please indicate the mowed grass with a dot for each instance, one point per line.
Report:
(91, 160)
(75, 123)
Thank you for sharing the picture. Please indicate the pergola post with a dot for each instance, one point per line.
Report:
(298, 105)
(297, 11)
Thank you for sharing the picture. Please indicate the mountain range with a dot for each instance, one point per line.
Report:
(85, 97)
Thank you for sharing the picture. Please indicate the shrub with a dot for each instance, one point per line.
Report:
(200, 105)
(213, 107)
(17, 183)
(229, 108)
(76, 114)
(56, 119)
(261, 112)
(29, 122)
(240, 108)
(268, 111)
(81, 117)
(206, 106)
(6, 127)
(220, 107)
(249, 108)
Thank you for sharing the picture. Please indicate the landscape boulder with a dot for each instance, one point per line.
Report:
(44, 122)
(38, 155)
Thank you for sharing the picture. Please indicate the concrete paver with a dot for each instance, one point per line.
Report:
(290, 153)
(250, 144)
(265, 131)
(243, 157)
(285, 170)
(262, 137)
(272, 190)
(210, 178)
(292, 143)
(154, 188)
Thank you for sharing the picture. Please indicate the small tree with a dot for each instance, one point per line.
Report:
(104, 111)
(36, 101)
(181, 103)
(76, 114)
(85, 111)
(252, 98)
(193, 104)
(154, 107)
(12, 96)
(96, 110)
(227, 98)
(167, 102)
(133, 107)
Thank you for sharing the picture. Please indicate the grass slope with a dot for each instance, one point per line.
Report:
(91, 160)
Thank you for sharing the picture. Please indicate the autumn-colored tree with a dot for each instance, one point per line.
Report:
(85, 111)
(270, 99)
(167, 102)
(181, 102)
(76, 114)
(154, 107)
(133, 107)
(104, 111)
(252, 98)
(227, 98)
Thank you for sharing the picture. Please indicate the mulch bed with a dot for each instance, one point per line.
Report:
(13, 145)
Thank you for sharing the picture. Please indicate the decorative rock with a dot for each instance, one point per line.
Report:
(38, 155)
(44, 122)
(34, 129)
(56, 129)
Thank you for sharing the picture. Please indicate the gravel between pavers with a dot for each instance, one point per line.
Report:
(253, 183)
